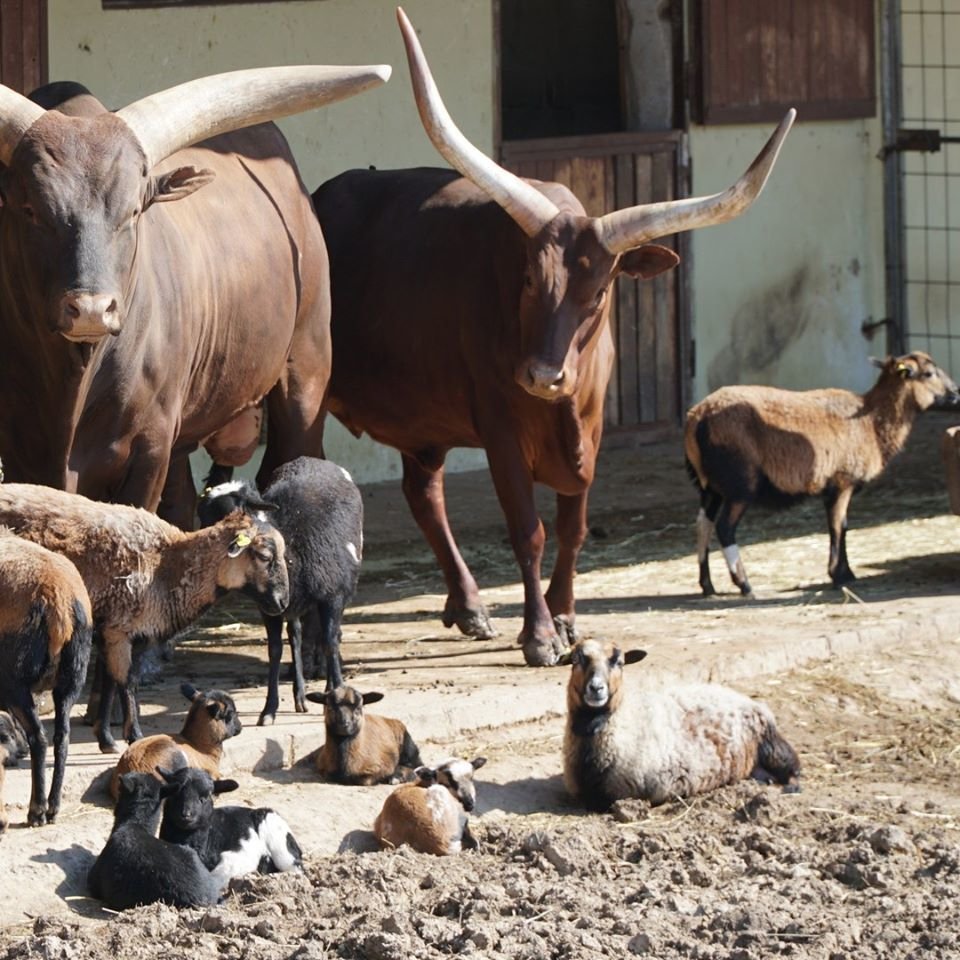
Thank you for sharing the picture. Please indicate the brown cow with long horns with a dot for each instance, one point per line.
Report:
(135, 328)
(471, 311)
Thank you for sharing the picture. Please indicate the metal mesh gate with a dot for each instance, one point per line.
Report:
(926, 151)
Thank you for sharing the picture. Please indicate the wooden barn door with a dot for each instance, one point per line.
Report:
(23, 44)
(608, 172)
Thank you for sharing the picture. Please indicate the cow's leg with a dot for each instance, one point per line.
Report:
(837, 502)
(571, 533)
(542, 647)
(178, 501)
(423, 488)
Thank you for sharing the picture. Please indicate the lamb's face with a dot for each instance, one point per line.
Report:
(457, 776)
(255, 563)
(192, 804)
(223, 711)
(343, 711)
(12, 743)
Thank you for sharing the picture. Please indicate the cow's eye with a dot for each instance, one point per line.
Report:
(29, 213)
(528, 281)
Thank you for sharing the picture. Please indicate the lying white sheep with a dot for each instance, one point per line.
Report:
(661, 744)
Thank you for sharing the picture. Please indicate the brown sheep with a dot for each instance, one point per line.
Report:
(665, 743)
(431, 814)
(45, 638)
(147, 579)
(361, 750)
(753, 444)
(212, 718)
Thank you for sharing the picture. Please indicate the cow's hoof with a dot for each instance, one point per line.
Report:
(566, 631)
(471, 623)
(543, 652)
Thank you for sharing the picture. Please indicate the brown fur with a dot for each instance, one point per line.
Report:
(199, 744)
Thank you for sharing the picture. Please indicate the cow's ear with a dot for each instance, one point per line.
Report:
(648, 261)
(177, 184)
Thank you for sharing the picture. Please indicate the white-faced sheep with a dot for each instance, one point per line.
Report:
(212, 718)
(147, 579)
(319, 510)
(431, 814)
(657, 745)
(231, 841)
(754, 444)
(135, 867)
(362, 749)
(45, 636)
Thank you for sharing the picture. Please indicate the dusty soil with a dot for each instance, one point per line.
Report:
(864, 862)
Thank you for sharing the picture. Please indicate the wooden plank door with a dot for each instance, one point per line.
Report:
(649, 387)
(23, 44)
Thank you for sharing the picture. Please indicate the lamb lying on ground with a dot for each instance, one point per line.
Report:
(231, 841)
(212, 718)
(658, 745)
(431, 814)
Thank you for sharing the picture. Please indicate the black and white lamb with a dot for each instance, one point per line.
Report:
(231, 841)
(147, 580)
(45, 636)
(135, 867)
(661, 744)
(319, 510)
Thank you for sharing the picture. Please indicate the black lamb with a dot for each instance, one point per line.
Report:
(319, 510)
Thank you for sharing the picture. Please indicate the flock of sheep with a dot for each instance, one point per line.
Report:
(77, 574)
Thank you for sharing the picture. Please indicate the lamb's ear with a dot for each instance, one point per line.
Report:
(190, 691)
(214, 707)
(478, 762)
(634, 656)
(240, 543)
(877, 362)
(170, 776)
(225, 786)
(257, 503)
(129, 781)
(316, 697)
(426, 774)
(372, 697)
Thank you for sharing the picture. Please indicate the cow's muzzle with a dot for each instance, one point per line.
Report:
(89, 317)
(543, 380)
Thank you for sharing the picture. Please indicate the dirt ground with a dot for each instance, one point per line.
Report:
(864, 862)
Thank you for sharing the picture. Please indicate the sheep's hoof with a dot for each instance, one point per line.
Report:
(108, 746)
(266, 719)
(471, 623)
(36, 818)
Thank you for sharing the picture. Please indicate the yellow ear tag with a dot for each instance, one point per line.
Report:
(903, 370)
(242, 540)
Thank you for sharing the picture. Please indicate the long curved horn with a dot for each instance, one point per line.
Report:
(625, 229)
(528, 207)
(17, 115)
(171, 119)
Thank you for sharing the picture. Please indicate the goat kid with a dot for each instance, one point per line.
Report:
(431, 815)
(754, 444)
(658, 745)
(211, 719)
(231, 841)
(361, 749)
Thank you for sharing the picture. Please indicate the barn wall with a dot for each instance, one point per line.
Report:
(779, 295)
(123, 54)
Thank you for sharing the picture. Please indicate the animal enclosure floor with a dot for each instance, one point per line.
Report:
(865, 861)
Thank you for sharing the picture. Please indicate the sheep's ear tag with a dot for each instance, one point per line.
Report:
(903, 370)
(240, 543)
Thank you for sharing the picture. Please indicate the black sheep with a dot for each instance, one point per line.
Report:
(319, 510)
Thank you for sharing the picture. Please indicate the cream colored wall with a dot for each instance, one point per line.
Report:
(124, 54)
(779, 294)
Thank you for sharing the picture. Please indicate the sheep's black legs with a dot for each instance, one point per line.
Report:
(274, 627)
(837, 503)
(295, 636)
(330, 614)
(706, 518)
(101, 726)
(728, 516)
(26, 714)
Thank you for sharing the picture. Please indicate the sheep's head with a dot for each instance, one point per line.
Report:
(215, 709)
(917, 374)
(595, 680)
(457, 776)
(13, 744)
(254, 561)
(343, 709)
(190, 796)
(221, 500)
